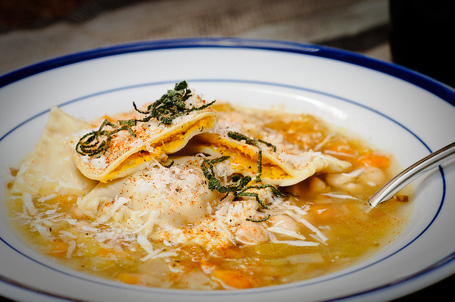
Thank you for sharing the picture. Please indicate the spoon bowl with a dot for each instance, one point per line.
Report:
(390, 188)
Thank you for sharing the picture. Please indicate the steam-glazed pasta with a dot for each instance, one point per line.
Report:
(189, 194)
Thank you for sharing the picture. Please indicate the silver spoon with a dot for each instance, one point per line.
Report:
(408, 175)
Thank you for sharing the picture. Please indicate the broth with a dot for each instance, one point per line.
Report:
(314, 227)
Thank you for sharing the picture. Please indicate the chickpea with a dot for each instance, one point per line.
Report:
(251, 233)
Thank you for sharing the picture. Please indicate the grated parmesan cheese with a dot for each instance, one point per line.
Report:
(47, 198)
(99, 163)
(28, 204)
(71, 248)
(341, 196)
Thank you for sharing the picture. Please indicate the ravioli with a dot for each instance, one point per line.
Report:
(178, 195)
(276, 167)
(152, 140)
(49, 168)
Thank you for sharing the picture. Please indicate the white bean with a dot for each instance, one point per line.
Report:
(284, 221)
(375, 175)
(344, 182)
(338, 180)
(317, 185)
(353, 188)
(251, 233)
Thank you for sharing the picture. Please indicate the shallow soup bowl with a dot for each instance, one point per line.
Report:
(392, 108)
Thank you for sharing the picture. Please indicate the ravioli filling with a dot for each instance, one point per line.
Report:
(133, 155)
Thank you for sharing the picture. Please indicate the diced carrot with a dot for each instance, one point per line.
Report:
(234, 278)
(129, 278)
(341, 147)
(207, 266)
(13, 171)
(107, 252)
(402, 198)
(322, 212)
(58, 249)
(375, 160)
(107, 117)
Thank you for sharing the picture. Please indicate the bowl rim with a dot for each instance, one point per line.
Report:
(439, 89)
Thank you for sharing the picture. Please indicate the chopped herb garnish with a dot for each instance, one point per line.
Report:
(264, 186)
(259, 220)
(169, 165)
(98, 141)
(240, 183)
(170, 106)
(214, 184)
(256, 196)
(254, 142)
(239, 186)
(241, 137)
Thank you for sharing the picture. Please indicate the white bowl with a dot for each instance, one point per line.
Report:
(393, 108)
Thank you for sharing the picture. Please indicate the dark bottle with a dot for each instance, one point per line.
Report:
(422, 37)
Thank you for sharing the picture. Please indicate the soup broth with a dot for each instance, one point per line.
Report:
(261, 198)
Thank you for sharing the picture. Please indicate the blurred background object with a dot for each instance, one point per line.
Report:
(35, 30)
(421, 34)
(26, 14)
(412, 33)
(31, 14)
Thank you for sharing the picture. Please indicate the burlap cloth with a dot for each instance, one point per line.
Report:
(101, 23)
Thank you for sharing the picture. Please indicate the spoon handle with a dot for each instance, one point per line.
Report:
(408, 175)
